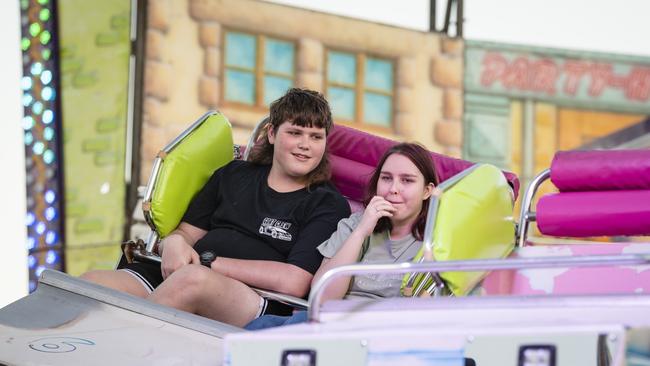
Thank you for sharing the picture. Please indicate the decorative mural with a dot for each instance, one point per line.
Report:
(94, 53)
(554, 77)
(509, 105)
(252, 80)
(522, 103)
(239, 55)
(360, 88)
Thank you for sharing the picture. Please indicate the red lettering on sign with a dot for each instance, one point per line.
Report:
(515, 75)
(543, 75)
(574, 70)
(600, 75)
(493, 66)
(637, 86)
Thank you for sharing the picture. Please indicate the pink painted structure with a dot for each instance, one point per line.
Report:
(569, 281)
(601, 193)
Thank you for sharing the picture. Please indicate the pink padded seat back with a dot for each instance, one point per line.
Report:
(602, 193)
(604, 213)
(601, 170)
(354, 154)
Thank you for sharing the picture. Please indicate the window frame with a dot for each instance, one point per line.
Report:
(258, 72)
(360, 88)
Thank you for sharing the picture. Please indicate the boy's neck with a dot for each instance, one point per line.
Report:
(283, 183)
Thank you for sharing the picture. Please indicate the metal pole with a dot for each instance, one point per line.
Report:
(459, 19)
(525, 212)
(445, 28)
(432, 16)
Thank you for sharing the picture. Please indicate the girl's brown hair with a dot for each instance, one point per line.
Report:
(421, 158)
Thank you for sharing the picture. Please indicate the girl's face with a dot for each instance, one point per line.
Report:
(297, 150)
(402, 184)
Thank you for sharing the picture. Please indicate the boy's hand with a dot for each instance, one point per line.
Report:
(176, 253)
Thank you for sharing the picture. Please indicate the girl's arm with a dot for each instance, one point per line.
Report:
(351, 248)
(348, 254)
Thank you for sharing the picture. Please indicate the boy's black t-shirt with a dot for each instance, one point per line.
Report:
(246, 219)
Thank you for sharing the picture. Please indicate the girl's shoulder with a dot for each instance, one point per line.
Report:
(350, 223)
(355, 217)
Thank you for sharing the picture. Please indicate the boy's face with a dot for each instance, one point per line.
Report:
(297, 150)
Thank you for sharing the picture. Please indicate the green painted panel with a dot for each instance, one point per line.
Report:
(560, 77)
(95, 46)
(486, 136)
(486, 126)
(487, 100)
(83, 259)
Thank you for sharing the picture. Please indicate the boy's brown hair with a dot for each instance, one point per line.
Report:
(301, 107)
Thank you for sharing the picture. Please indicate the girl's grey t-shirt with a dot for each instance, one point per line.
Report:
(380, 249)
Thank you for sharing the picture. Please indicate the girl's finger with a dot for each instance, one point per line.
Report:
(388, 210)
(386, 206)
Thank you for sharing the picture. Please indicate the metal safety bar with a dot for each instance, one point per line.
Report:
(526, 215)
(317, 290)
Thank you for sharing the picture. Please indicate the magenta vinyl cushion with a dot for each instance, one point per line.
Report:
(583, 214)
(601, 170)
(354, 154)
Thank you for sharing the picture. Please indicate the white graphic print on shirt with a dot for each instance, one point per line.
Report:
(275, 228)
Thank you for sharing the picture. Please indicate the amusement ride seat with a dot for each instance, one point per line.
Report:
(353, 155)
(601, 193)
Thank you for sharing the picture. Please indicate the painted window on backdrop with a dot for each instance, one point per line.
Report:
(360, 88)
(257, 69)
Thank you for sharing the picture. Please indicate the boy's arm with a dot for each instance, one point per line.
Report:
(293, 277)
(270, 275)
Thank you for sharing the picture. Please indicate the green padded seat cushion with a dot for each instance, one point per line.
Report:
(472, 220)
(186, 168)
